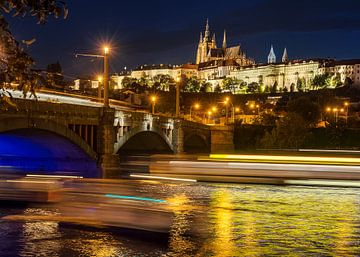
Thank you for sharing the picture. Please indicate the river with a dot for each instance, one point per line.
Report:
(230, 220)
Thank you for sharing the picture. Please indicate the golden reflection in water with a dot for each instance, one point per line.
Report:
(180, 244)
(223, 242)
(103, 245)
(249, 241)
(41, 238)
(345, 229)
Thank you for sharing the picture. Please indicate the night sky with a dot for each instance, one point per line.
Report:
(147, 32)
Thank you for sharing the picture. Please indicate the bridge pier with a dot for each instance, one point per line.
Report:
(178, 137)
(107, 159)
(222, 139)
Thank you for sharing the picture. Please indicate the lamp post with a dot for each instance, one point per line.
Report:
(209, 115)
(99, 86)
(252, 106)
(196, 106)
(346, 104)
(177, 102)
(227, 100)
(153, 102)
(105, 78)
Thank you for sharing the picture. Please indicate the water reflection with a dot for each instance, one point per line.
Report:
(222, 216)
(274, 222)
(180, 243)
(40, 238)
(241, 221)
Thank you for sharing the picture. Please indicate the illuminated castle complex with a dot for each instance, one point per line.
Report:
(208, 51)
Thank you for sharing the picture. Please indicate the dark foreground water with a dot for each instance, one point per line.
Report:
(231, 220)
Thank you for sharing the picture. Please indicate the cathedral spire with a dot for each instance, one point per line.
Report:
(213, 40)
(207, 30)
(285, 57)
(272, 56)
(224, 40)
(201, 38)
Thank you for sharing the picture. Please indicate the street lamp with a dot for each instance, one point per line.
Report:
(336, 113)
(153, 102)
(177, 108)
(252, 106)
(227, 100)
(346, 104)
(209, 115)
(196, 106)
(99, 86)
(105, 78)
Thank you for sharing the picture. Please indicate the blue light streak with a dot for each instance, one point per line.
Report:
(128, 197)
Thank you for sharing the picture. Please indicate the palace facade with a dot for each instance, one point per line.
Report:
(213, 64)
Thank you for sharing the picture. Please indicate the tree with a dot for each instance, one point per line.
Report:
(253, 87)
(336, 80)
(300, 84)
(321, 81)
(230, 84)
(217, 89)
(290, 132)
(274, 88)
(15, 63)
(132, 84)
(205, 87)
(191, 85)
(306, 109)
(292, 87)
(163, 82)
(266, 119)
(348, 82)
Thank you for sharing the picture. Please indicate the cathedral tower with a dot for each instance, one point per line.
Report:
(285, 57)
(205, 44)
(272, 56)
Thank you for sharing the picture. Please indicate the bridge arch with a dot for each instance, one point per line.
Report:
(11, 124)
(196, 142)
(157, 134)
(38, 151)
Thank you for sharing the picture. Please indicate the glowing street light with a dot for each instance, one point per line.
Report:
(209, 115)
(226, 102)
(196, 106)
(214, 109)
(106, 49)
(153, 102)
(105, 78)
(177, 102)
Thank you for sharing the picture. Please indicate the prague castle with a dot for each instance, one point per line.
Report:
(208, 51)
(213, 64)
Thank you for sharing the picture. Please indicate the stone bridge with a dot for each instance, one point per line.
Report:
(104, 132)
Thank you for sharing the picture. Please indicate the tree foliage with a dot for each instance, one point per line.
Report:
(15, 63)
(253, 87)
(231, 84)
(305, 108)
(191, 85)
(321, 81)
(290, 132)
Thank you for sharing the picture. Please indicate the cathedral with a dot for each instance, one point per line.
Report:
(208, 51)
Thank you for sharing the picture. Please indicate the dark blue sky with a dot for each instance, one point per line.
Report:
(146, 32)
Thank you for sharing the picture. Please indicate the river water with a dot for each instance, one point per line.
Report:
(229, 220)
